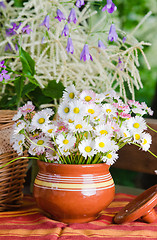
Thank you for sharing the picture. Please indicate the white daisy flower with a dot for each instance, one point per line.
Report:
(148, 109)
(17, 116)
(39, 120)
(47, 111)
(18, 126)
(18, 149)
(137, 137)
(18, 143)
(109, 109)
(135, 124)
(42, 142)
(80, 126)
(111, 94)
(93, 110)
(139, 111)
(78, 109)
(113, 146)
(64, 152)
(124, 133)
(65, 142)
(70, 93)
(146, 140)
(52, 155)
(99, 97)
(87, 96)
(110, 158)
(32, 150)
(104, 130)
(102, 144)
(87, 148)
(64, 110)
(50, 130)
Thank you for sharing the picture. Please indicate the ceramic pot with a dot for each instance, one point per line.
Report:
(73, 193)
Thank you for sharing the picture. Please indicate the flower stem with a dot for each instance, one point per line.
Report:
(15, 159)
(147, 150)
(152, 129)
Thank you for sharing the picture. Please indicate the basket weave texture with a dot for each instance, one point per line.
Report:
(12, 176)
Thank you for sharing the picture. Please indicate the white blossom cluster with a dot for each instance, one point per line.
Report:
(87, 128)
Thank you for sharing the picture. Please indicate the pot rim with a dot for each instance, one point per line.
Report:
(64, 164)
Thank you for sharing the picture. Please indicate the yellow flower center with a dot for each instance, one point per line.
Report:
(78, 126)
(91, 111)
(35, 134)
(87, 98)
(20, 142)
(70, 121)
(40, 142)
(101, 144)
(50, 130)
(108, 110)
(103, 132)
(66, 110)
(144, 141)
(71, 95)
(41, 120)
(61, 127)
(137, 136)
(18, 124)
(125, 135)
(109, 155)
(76, 110)
(136, 125)
(88, 149)
(85, 134)
(65, 141)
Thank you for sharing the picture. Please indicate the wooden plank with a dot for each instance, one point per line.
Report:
(131, 158)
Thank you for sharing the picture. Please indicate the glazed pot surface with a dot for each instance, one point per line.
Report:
(73, 193)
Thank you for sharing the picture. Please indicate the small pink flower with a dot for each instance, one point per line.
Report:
(124, 115)
(27, 108)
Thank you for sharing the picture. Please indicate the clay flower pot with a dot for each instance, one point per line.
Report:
(73, 193)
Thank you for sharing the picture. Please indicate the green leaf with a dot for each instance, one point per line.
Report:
(28, 63)
(28, 88)
(38, 97)
(19, 83)
(54, 90)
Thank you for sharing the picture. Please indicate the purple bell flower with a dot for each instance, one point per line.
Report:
(101, 45)
(65, 31)
(85, 55)
(26, 29)
(12, 31)
(79, 3)
(60, 16)
(124, 39)
(2, 64)
(112, 36)
(110, 7)
(70, 47)
(72, 16)
(8, 47)
(46, 22)
(4, 75)
(2, 4)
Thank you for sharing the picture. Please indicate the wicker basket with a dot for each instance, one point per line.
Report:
(12, 176)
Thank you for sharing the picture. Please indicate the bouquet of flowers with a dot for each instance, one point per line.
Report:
(87, 128)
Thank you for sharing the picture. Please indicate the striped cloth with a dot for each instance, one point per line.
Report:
(30, 223)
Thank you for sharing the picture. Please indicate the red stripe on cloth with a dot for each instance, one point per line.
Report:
(30, 223)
